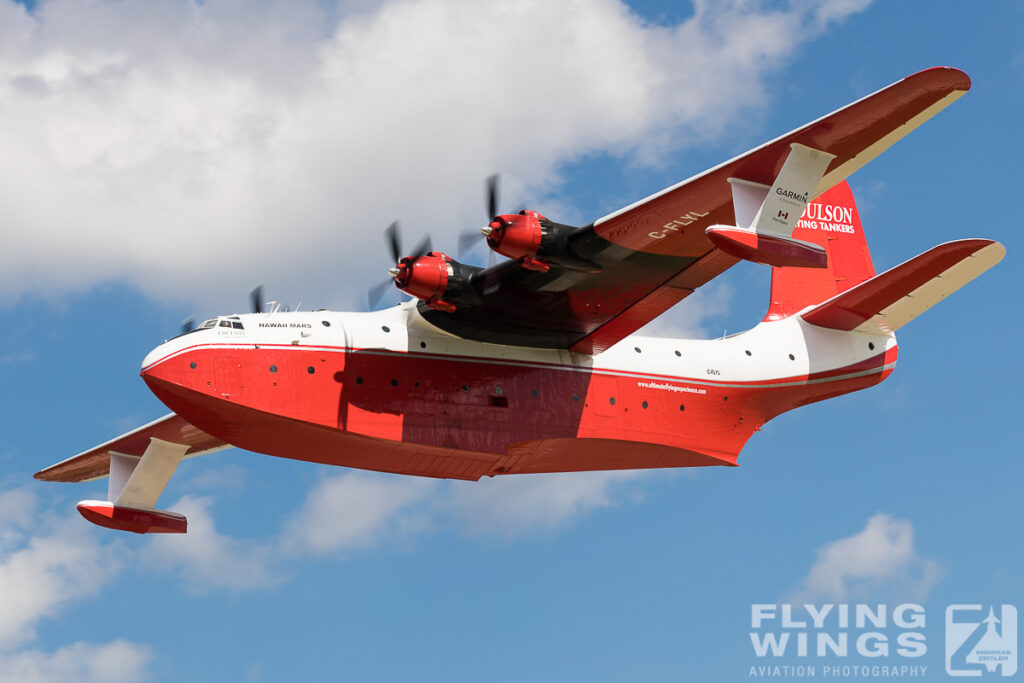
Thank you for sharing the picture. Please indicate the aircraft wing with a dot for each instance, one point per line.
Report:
(95, 462)
(654, 253)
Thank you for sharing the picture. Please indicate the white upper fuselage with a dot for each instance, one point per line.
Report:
(769, 351)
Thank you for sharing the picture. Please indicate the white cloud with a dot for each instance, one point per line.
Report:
(359, 510)
(206, 559)
(877, 562)
(45, 563)
(692, 318)
(516, 505)
(17, 357)
(192, 148)
(356, 509)
(119, 661)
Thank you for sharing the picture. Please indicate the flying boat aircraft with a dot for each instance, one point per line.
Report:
(532, 365)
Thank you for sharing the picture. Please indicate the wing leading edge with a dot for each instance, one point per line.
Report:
(95, 462)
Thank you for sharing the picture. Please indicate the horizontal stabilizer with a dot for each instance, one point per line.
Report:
(888, 301)
(95, 462)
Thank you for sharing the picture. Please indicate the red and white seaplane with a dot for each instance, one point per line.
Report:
(531, 365)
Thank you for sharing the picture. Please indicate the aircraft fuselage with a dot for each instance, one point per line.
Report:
(388, 391)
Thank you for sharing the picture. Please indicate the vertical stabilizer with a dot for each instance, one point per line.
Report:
(830, 221)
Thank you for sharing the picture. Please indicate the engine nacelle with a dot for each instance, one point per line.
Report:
(426, 277)
(519, 237)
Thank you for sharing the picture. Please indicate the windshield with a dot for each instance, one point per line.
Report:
(222, 323)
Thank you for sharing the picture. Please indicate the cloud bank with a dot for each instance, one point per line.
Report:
(191, 149)
(48, 562)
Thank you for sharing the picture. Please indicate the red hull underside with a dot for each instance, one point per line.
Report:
(465, 418)
(285, 437)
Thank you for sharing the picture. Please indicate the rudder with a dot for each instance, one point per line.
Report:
(831, 221)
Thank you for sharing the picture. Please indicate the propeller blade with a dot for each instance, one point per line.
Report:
(422, 248)
(256, 296)
(394, 241)
(468, 239)
(492, 196)
(187, 325)
(375, 293)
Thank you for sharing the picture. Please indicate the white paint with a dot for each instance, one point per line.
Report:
(151, 474)
(121, 468)
(770, 343)
(932, 292)
(790, 194)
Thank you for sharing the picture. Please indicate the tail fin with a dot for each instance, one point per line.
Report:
(832, 222)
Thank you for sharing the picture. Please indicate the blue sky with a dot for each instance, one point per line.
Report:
(164, 157)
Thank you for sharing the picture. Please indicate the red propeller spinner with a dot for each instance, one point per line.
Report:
(518, 237)
(425, 277)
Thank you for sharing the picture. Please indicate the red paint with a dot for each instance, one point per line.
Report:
(707, 200)
(132, 519)
(426, 277)
(856, 305)
(518, 237)
(412, 413)
(767, 249)
(848, 259)
(95, 462)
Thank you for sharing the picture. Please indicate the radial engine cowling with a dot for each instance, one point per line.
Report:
(518, 237)
(426, 277)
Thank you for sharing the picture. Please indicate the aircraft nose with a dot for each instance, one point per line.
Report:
(153, 357)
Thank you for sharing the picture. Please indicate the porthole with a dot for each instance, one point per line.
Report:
(644, 405)
(792, 357)
(465, 388)
(871, 345)
(681, 407)
(533, 392)
(273, 368)
(611, 400)
(637, 349)
(339, 376)
(725, 398)
(192, 365)
(394, 382)
(359, 380)
(498, 390)
(385, 328)
(415, 384)
(311, 369)
(678, 354)
(576, 397)
(748, 352)
(423, 345)
(325, 323)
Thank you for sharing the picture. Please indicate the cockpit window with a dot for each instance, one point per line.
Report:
(225, 323)
(207, 324)
(236, 325)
